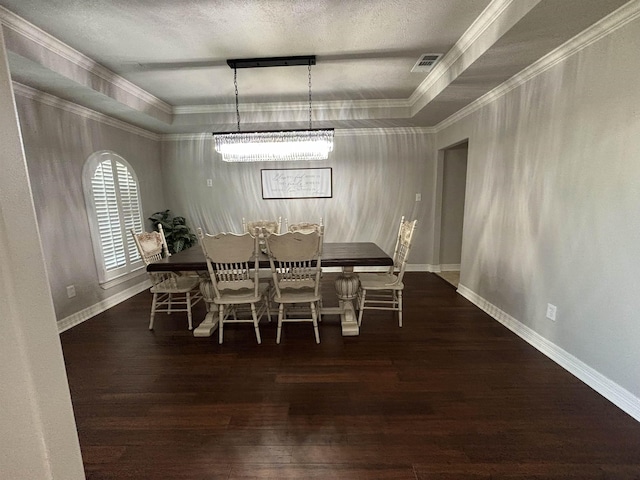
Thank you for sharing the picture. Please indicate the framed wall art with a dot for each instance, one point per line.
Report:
(296, 183)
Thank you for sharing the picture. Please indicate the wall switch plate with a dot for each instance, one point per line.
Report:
(552, 310)
(71, 291)
(418, 197)
(209, 182)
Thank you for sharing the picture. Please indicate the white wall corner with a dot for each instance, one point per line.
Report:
(610, 390)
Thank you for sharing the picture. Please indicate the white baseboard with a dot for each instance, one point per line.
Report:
(422, 267)
(610, 390)
(444, 267)
(450, 267)
(412, 267)
(83, 315)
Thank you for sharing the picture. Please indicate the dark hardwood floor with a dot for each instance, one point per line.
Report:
(451, 395)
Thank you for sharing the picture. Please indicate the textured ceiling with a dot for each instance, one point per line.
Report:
(161, 64)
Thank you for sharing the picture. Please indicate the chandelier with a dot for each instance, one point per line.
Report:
(273, 145)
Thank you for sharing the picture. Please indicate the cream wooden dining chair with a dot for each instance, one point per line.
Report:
(232, 262)
(172, 292)
(266, 226)
(304, 227)
(383, 290)
(263, 227)
(295, 260)
(308, 227)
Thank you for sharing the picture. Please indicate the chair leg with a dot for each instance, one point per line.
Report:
(314, 315)
(255, 323)
(153, 310)
(400, 308)
(169, 303)
(189, 311)
(280, 317)
(220, 322)
(268, 304)
(361, 306)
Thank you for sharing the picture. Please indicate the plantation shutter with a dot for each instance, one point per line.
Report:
(116, 202)
(108, 216)
(130, 202)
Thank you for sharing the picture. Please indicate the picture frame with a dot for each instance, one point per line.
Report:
(279, 183)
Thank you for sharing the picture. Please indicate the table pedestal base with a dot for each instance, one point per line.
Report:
(208, 326)
(347, 285)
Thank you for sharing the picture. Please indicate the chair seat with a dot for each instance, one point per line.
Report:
(379, 281)
(233, 297)
(176, 285)
(303, 295)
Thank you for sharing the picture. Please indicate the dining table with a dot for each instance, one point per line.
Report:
(345, 255)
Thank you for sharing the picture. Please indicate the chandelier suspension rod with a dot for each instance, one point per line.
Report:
(309, 94)
(235, 84)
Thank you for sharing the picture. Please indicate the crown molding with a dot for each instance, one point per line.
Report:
(84, 112)
(484, 21)
(361, 132)
(282, 107)
(606, 26)
(49, 42)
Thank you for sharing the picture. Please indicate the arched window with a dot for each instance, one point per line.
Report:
(113, 207)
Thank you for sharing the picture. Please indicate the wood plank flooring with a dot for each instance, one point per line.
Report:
(451, 395)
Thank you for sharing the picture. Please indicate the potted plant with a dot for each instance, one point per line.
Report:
(179, 236)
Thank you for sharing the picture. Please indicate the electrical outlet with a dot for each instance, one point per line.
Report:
(209, 182)
(552, 311)
(71, 291)
(418, 197)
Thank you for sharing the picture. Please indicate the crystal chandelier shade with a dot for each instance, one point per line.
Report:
(275, 145)
(283, 145)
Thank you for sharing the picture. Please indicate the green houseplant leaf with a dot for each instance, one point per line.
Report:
(178, 234)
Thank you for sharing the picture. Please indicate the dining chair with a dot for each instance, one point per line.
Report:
(267, 226)
(263, 227)
(303, 227)
(172, 292)
(295, 260)
(383, 290)
(308, 227)
(232, 262)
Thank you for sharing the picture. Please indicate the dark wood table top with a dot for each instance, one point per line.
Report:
(351, 254)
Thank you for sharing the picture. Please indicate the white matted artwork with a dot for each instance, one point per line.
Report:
(296, 183)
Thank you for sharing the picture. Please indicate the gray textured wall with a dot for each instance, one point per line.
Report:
(375, 179)
(552, 204)
(57, 143)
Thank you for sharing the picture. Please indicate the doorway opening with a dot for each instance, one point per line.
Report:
(452, 179)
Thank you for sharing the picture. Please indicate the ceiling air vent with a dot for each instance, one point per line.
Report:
(426, 62)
